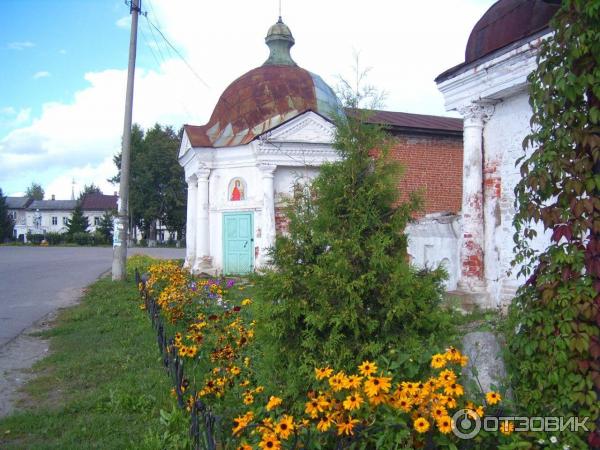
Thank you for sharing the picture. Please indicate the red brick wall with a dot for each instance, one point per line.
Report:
(433, 163)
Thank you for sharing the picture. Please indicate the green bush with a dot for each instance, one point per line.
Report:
(82, 238)
(54, 238)
(35, 238)
(341, 289)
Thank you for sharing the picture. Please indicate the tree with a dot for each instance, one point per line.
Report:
(555, 348)
(105, 228)
(157, 188)
(91, 189)
(341, 289)
(35, 191)
(6, 222)
(78, 222)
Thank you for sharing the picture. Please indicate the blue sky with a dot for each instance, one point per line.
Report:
(63, 68)
(47, 46)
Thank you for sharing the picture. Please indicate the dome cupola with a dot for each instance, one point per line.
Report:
(265, 97)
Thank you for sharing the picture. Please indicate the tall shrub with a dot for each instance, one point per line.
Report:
(555, 346)
(341, 289)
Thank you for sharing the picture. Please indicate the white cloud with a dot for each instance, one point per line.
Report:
(82, 136)
(406, 43)
(41, 74)
(11, 118)
(20, 45)
(123, 22)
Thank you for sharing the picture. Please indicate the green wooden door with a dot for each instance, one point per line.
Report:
(238, 243)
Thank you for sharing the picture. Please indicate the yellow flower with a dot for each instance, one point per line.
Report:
(421, 425)
(246, 302)
(447, 377)
(313, 408)
(353, 382)
(338, 381)
(346, 426)
(244, 446)
(325, 372)
(464, 360)
(378, 399)
(374, 385)
(269, 442)
(492, 398)
(454, 389)
(367, 368)
(324, 424)
(439, 412)
(235, 370)
(507, 427)
(242, 422)
(353, 401)
(438, 361)
(444, 424)
(273, 402)
(248, 399)
(285, 426)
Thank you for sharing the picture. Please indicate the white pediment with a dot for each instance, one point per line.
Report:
(305, 128)
(185, 145)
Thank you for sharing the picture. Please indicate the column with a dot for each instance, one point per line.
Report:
(190, 223)
(268, 210)
(472, 235)
(203, 259)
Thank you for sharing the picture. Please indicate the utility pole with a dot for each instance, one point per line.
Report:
(122, 220)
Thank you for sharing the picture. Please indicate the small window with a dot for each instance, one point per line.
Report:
(54, 220)
(96, 220)
(65, 221)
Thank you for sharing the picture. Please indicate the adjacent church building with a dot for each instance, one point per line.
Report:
(273, 126)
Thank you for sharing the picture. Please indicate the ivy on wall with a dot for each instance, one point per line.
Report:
(555, 342)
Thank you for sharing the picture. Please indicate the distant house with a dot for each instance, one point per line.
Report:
(17, 209)
(48, 216)
(94, 206)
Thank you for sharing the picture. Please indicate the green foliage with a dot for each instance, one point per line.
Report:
(6, 222)
(35, 191)
(157, 183)
(341, 289)
(34, 238)
(78, 222)
(89, 189)
(105, 228)
(555, 320)
(55, 238)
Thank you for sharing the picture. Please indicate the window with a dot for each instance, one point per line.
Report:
(65, 221)
(96, 220)
(54, 220)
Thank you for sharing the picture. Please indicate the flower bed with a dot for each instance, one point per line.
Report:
(211, 357)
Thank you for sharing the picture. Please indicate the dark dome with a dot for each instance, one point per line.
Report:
(508, 21)
(265, 97)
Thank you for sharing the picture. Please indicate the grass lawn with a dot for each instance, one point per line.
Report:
(102, 386)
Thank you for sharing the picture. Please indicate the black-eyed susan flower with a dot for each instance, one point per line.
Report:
(353, 401)
(444, 424)
(367, 368)
(421, 425)
(353, 382)
(324, 372)
(269, 442)
(375, 385)
(454, 389)
(324, 423)
(438, 361)
(346, 426)
(285, 427)
(273, 402)
(492, 398)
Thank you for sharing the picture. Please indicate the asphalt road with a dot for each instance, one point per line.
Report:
(35, 281)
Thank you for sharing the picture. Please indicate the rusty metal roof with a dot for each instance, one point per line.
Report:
(265, 97)
(505, 24)
(414, 121)
(99, 202)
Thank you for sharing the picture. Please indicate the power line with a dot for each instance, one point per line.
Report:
(178, 54)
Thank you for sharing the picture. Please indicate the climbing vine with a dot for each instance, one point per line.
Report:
(555, 342)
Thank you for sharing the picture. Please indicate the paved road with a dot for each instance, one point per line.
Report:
(35, 281)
